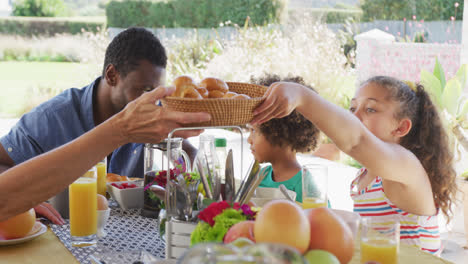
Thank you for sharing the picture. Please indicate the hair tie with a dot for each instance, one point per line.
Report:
(411, 85)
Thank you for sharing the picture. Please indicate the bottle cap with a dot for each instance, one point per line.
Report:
(220, 142)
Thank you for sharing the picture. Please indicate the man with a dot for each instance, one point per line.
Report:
(134, 63)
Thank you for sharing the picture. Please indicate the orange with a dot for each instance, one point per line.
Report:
(330, 233)
(18, 226)
(283, 222)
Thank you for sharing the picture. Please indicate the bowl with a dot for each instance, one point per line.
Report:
(102, 217)
(128, 198)
(223, 111)
(136, 182)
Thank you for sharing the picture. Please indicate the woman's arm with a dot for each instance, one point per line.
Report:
(34, 181)
(388, 160)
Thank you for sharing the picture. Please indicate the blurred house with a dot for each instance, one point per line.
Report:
(5, 7)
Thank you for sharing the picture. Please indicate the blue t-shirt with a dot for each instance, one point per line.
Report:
(61, 120)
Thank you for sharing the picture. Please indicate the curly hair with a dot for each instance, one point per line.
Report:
(132, 45)
(293, 130)
(427, 138)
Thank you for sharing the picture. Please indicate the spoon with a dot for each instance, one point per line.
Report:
(285, 192)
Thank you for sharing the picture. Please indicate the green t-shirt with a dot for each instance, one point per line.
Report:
(293, 184)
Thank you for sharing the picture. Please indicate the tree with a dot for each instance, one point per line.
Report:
(422, 9)
(38, 8)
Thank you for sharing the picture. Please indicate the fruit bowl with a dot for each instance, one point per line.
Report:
(128, 198)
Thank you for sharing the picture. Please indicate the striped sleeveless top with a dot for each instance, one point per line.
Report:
(421, 231)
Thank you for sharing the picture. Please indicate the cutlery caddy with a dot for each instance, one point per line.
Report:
(178, 231)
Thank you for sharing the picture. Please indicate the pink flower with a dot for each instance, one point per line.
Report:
(214, 209)
(452, 18)
(414, 17)
(457, 4)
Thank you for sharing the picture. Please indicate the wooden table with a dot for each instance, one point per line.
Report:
(47, 248)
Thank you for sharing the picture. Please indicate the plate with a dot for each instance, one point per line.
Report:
(37, 230)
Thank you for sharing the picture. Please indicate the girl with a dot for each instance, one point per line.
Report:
(277, 141)
(395, 132)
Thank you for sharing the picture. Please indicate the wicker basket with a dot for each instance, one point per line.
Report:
(224, 112)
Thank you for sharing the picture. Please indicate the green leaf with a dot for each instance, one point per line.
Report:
(439, 73)
(450, 96)
(464, 110)
(432, 86)
(462, 75)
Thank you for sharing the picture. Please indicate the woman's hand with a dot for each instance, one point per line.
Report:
(46, 210)
(281, 99)
(142, 121)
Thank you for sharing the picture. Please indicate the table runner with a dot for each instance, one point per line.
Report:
(126, 231)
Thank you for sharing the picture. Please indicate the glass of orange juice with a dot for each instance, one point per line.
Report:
(380, 241)
(83, 209)
(314, 186)
(101, 177)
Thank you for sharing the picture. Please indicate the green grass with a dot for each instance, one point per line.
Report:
(27, 84)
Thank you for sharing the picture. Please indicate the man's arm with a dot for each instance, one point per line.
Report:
(5, 161)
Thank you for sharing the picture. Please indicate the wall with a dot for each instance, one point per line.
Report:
(437, 31)
(379, 54)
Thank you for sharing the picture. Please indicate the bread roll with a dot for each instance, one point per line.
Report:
(214, 84)
(181, 83)
(241, 97)
(191, 92)
(215, 94)
(230, 94)
(203, 92)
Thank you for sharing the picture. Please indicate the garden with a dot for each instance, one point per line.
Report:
(47, 47)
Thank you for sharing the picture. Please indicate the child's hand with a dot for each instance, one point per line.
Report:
(281, 99)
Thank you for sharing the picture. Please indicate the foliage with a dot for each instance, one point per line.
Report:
(192, 13)
(328, 15)
(349, 45)
(191, 55)
(401, 9)
(33, 26)
(85, 48)
(447, 95)
(39, 8)
(216, 220)
(87, 7)
(299, 49)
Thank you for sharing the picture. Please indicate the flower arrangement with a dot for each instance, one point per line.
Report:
(217, 218)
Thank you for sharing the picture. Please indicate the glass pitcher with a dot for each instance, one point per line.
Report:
(156, 162)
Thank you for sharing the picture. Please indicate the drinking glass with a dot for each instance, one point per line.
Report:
(83, 209)
(101, 177)
(314, 186)
(380, 241)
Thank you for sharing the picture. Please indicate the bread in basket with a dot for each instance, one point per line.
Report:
(224, 110)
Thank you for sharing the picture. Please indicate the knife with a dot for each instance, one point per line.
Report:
(229, 187)
(254, 170)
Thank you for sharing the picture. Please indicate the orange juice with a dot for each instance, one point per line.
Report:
(83, 207)
(101, 178)
(309, 202)
(383, 251)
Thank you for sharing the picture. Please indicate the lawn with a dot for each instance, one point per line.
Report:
(26, 84)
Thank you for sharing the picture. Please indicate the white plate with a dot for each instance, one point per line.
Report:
(38, 229)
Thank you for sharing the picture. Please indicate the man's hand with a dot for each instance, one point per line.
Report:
(46, 210)
(142, 121)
